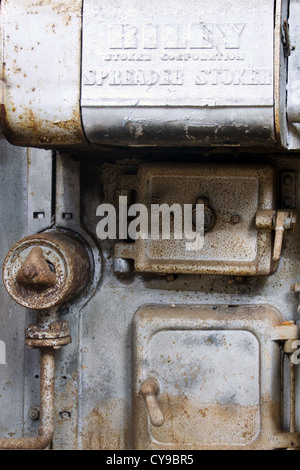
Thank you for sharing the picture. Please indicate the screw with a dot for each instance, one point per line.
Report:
(34, 412)
(235, 219)
(65, 415)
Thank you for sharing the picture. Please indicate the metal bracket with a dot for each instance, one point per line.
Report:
(285, 37)
(279, 221)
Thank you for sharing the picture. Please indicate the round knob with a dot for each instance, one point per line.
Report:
(209, 215)
(46, 270)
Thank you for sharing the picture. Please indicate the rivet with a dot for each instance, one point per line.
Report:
(65, 414)
(34, 412)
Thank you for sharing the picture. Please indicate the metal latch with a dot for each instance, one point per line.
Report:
(288, 333)
(149, 389)
(285, 37)
(279, 221)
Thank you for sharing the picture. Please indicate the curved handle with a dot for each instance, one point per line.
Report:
(149, 389)
(285, 221)
(279, 229)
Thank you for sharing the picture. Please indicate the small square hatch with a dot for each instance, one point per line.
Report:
(232, 197)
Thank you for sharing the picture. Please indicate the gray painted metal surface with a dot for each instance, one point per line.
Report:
(224, 318)
(93, 377)
(38, 39)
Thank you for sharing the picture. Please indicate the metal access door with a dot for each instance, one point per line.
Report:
(207, 377)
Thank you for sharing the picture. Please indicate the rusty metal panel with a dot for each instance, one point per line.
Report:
(47, 269)
(234, 194)
(218, 371)
(154, 75)
(41, 59)
(166, 74)
(93, 407)
(207, 338)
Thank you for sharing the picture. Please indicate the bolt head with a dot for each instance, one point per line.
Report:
(34, 412)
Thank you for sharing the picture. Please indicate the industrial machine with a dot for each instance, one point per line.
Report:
(150, 172)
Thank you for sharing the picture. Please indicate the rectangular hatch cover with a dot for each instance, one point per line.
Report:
(218, 370)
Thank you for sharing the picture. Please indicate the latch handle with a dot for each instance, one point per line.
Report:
(279, 229)
(149, 389)
(279, 221)
(285, 220)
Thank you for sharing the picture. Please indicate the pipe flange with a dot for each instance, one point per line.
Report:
(49, 335)
(53, 330)
(55, 343)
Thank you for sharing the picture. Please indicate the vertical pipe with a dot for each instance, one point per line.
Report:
(282, 356)
(46, 426)
(292, 396)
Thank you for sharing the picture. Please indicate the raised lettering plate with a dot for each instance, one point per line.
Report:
(156, 57)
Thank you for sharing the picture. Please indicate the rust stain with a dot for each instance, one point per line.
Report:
(103, 430)
(204, 426)
(284, 323)
(186, 421)
(34, 128)
(57, 6)
(45, 131)
(36, 131)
